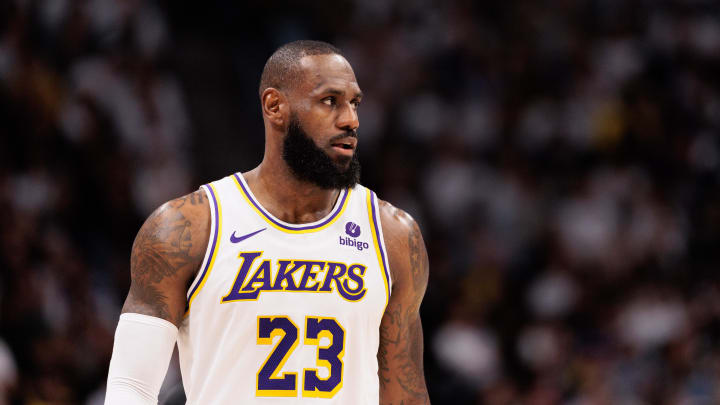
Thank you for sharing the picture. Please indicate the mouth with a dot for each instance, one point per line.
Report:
(346, 144)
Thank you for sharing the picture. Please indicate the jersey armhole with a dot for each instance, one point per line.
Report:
(379, 241)
(212, 245)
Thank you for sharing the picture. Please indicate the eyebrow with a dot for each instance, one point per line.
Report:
(338, 92)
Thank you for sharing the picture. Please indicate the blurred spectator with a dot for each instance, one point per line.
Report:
(8, 373)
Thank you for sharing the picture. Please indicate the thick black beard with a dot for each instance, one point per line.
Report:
(309, 163)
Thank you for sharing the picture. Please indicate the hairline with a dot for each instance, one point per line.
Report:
(284, 69)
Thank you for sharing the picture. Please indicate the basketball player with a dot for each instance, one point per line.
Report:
(290, 283)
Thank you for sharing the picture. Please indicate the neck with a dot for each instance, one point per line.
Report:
(286, 197)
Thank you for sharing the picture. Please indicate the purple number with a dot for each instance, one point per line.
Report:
(271, 384)
(267, 383)
(313, 385)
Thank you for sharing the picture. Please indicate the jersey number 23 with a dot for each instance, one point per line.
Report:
(271, 384)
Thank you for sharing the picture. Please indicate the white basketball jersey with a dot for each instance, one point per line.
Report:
(286, 313)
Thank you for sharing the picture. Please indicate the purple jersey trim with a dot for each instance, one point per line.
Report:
(381, 242)
(214, 242)
(270, 218)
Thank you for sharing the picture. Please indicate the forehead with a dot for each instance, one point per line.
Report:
(324, 71)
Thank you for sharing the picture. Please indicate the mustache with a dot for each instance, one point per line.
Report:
(346, 134)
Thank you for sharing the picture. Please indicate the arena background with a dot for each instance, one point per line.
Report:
(563, 160)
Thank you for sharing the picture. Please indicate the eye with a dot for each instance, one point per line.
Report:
(355, 103)
(329, 101)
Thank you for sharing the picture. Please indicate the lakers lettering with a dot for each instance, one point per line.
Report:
(255, 277)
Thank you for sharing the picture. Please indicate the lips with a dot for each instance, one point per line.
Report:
(345, 143)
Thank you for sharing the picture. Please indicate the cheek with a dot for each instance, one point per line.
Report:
(319, 122)
(302, 107)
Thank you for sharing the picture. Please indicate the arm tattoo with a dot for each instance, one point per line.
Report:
(386, 339)
(161, 249)
(195, 198)
(412, 377)
(407, 346)
(418, 260)
(400, 354)
(150, 295)
(160, 253)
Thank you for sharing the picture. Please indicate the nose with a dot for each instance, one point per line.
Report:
(348, 118)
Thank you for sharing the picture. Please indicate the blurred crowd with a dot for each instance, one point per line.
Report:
(95, 135)
(563, 162)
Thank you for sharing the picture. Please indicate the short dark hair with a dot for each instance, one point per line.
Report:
(282, 68)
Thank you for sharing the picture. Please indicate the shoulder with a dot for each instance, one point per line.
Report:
(179, 225)
(406, 249)
(194, 206)
(397, 224)
(166, 255)
(189, 210)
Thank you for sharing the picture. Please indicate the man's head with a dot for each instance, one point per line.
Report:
(282, 69)
(309, 98)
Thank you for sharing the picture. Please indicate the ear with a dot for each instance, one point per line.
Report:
(274, 106)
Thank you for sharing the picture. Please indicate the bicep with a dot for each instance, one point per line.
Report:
(165, 256)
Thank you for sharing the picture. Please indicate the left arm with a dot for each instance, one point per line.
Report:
(400, 354)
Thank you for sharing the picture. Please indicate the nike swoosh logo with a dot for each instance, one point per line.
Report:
(238, 239)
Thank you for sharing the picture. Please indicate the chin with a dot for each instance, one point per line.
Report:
(343, 162)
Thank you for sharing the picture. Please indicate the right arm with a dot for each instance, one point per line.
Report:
(166, 256)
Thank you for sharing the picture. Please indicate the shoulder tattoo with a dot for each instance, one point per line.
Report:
(162, 248)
